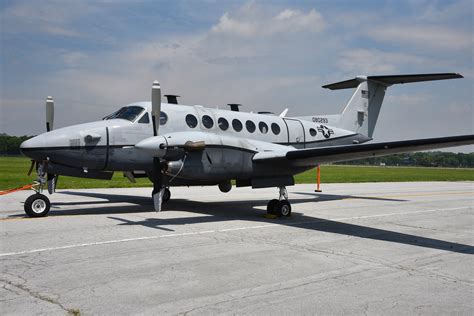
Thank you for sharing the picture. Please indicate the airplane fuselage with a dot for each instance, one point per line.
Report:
(231, 138)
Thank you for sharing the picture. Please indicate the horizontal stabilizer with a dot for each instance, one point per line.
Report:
(389, 80)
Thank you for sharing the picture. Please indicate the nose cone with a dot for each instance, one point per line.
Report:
(34, 147)
(153, 146)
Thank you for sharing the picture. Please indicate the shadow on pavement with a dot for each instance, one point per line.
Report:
(252, 211)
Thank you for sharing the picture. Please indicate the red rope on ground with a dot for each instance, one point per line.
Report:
(25, 187)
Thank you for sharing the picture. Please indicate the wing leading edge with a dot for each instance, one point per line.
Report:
(314, 156)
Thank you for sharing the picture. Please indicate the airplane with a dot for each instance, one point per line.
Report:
(180, 145)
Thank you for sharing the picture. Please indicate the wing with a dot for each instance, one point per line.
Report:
(314, 156)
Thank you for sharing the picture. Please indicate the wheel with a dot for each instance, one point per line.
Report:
(283, 208)
(37, 205)
(271, 206)
(166, 195)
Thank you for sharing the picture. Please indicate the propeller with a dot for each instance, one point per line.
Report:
(157, 175)
(49, 114)
(52, 179)
(33, 163)
(150, 145)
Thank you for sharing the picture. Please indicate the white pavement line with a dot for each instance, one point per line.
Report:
(108, 242)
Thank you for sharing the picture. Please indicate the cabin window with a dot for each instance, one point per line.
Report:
(237, 125)
(223, 124)
(276, 128)
(250, 126)
(163, 118)
(191, 120)
(263, 127)
(312, 132)
(207, 121)
(145, 119)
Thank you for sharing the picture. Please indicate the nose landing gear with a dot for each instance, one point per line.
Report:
(280, 207)
(38, 205)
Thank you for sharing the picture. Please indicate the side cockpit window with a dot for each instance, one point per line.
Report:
(145, 119)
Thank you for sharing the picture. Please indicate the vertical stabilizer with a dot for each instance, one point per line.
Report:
(362, 111)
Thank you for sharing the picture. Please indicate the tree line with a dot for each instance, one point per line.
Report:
(420, 159)
(10, 145)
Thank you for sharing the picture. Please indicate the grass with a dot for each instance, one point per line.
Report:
(13, 174)
(352, 174)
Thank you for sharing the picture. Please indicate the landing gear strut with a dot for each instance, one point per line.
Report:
(280, 207)
(38, 205)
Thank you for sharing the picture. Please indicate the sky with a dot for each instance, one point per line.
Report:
(95, 56)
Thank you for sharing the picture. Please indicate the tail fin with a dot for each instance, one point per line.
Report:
(361, 112)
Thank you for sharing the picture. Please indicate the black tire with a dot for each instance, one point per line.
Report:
(166, 195)
(271, 206)
(283, 208)
(37, 205)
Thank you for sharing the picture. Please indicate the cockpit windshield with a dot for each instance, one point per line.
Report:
(129, 113)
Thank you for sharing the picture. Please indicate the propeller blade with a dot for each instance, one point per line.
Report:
(31, 167)
(49, 114)
(52, 180)
(158, 188)
(156, 106)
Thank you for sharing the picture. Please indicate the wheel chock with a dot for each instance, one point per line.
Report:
(270, 216)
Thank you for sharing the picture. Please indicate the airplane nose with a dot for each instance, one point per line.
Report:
(34, 148)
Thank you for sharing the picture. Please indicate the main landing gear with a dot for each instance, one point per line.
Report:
(280, 207)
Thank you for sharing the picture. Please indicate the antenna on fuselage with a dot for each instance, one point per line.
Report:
(155, 106)
(172, 98)
(234, 106)
(49, 114)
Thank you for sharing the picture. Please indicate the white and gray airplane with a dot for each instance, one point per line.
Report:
(180, 145)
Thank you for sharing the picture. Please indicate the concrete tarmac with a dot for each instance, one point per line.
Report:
(375, 248)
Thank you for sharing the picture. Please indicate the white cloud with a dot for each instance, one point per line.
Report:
(423, 35)
(229, 25)
(250, 22)
(374, 61)
(295, 21)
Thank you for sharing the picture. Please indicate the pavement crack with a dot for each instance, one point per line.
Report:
(37, 295)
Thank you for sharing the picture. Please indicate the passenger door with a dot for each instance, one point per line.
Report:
(296, 136)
